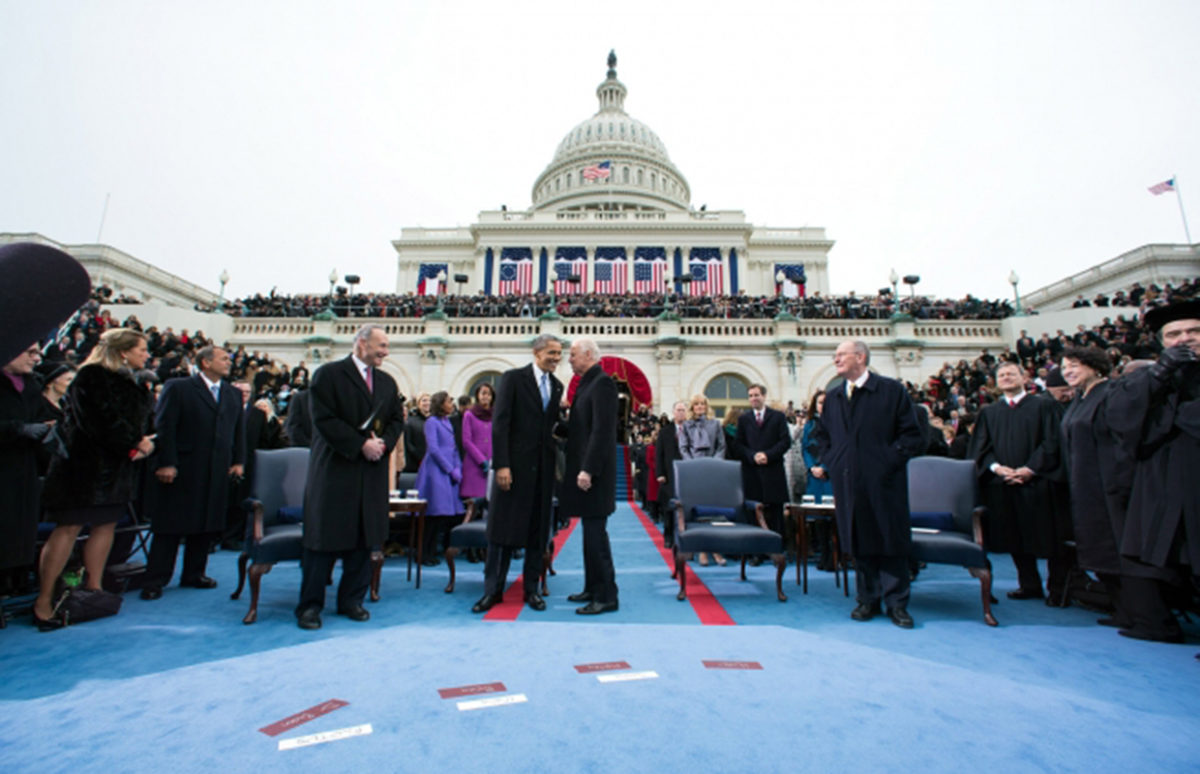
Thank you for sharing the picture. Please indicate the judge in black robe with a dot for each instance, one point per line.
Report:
(1016, 449)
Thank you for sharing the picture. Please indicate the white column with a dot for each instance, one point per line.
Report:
(590, 280)
(724, 270)
(629, 267)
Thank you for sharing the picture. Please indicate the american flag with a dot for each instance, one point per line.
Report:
(610, 276)
(706, 278)
(562, 272)
(516, 276)
(427, 282)
(648, 276)
(1163, 187)
(599, 171)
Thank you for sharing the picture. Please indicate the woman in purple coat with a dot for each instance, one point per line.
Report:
(440, 473)
(477, 443)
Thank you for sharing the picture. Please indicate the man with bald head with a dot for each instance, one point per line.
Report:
(865, 436)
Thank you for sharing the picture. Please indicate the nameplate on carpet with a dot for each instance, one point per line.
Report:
(312, 713)
(471, 690)
(625, 677)
(494, 701)
(601, 666)
(732, 665)
(324, 736)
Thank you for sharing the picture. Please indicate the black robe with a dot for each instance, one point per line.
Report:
(18, 471)
(523, 441)
(1026, 518)
(592, 447)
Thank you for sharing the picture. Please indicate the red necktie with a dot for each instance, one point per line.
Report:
(370, 380)
(758, 417)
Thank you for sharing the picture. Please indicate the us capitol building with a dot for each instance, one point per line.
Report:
(612, 213)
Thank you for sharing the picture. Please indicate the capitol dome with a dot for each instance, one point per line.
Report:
(611, 161)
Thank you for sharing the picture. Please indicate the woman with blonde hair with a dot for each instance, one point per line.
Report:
(91, 481)
(701, 437)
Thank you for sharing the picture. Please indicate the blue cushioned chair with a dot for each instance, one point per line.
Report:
(942, 492)
(273, 509)
(713, 515)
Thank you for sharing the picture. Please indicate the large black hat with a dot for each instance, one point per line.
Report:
(40, 287)
(1159, 316)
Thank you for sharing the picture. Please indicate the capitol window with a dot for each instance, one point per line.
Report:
(624, 174)
(727, 391)
(639, 182)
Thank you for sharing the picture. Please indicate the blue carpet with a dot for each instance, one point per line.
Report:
(182, 683)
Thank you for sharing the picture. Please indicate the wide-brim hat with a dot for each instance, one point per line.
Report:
(1159, 316)
(42, 286)
(50, 370)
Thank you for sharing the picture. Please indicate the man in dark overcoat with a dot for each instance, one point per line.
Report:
(589, 488)
(1016, 449)
(762, 441)
(200, 446)
(1155, 412)
(357, 419)
(866, 435)
(666, 451)
(523, 448)
(298, 425)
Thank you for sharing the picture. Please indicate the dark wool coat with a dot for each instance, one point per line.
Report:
(201, 439)
(666, 451)
(592, 446)
(523, 441)
(346, 494)
(1028, 518)
(18, 471)
(866, 443)
(1160, 419)
(764, 483)
(298, 425)
(106, 415)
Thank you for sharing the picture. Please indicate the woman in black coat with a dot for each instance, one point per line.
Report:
(104, 434)
(23, 424)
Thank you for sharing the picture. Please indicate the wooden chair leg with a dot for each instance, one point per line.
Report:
(743, 567)
(984, 574)
(256, 572)
(780, 566)
(451, 552)
(243, 558)
(681, 572)
(376, 574)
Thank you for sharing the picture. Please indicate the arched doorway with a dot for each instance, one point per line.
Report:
(633, 391)
(727, 391)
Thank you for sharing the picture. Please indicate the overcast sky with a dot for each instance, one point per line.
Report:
(956, 140)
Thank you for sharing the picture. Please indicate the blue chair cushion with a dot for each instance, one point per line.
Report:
(731, 539)
(947, 548)
(278, 544)
(473, 534)
(933, 519)
(290, 514)
(710, 513)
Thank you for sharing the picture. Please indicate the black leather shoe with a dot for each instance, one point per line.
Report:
(1056, 600)
(310, 619)
(48, 624)
(535, 601)
(582, 596)
(486, 603)
(203, 582)
(357, 613)
(866, 611)
(901, 618)
(151, 592)
(1023, 594)
(596, 608)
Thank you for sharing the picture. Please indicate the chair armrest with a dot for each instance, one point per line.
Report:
(256, 508)
(680, 520)
(977, 523)
(759, 515)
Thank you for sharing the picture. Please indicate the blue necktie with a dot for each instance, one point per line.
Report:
(216, 391)
(545, 391)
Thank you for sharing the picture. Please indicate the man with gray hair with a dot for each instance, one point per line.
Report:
(523, 447)
(865, 436)
(357, 419)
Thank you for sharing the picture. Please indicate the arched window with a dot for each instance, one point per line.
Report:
(639, 182)
(727, 391)
(487, 377)
(568, 180)
(624, 174)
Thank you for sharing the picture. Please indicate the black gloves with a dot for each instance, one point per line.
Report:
(1171, 360)
(34, 431)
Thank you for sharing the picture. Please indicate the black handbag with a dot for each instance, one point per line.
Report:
(79, 605)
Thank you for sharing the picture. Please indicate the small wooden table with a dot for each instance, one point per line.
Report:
(399, 507)
(804, 513)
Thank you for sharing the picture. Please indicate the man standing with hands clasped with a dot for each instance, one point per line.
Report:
(762, 442)
(357, 419)
(865, 436)
(589, 488)
(523, 448)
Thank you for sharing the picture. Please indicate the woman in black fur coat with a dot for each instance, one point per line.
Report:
(104, 434)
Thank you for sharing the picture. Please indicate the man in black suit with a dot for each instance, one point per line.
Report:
(762, 441)
(866, 434)
(589, 488)
(357, 419)
(666, 451)
(200, 447)
(523, 450)
(298, 425)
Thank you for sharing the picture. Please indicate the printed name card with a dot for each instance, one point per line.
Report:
(492, 701)
(732, 665)
(601, 666)
(312, 713)
(624, 677)
(324, 736)
(471, 690)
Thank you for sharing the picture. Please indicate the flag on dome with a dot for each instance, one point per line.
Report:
(599, 171)
(427, 281)
(516, 275)
(1161, 188)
